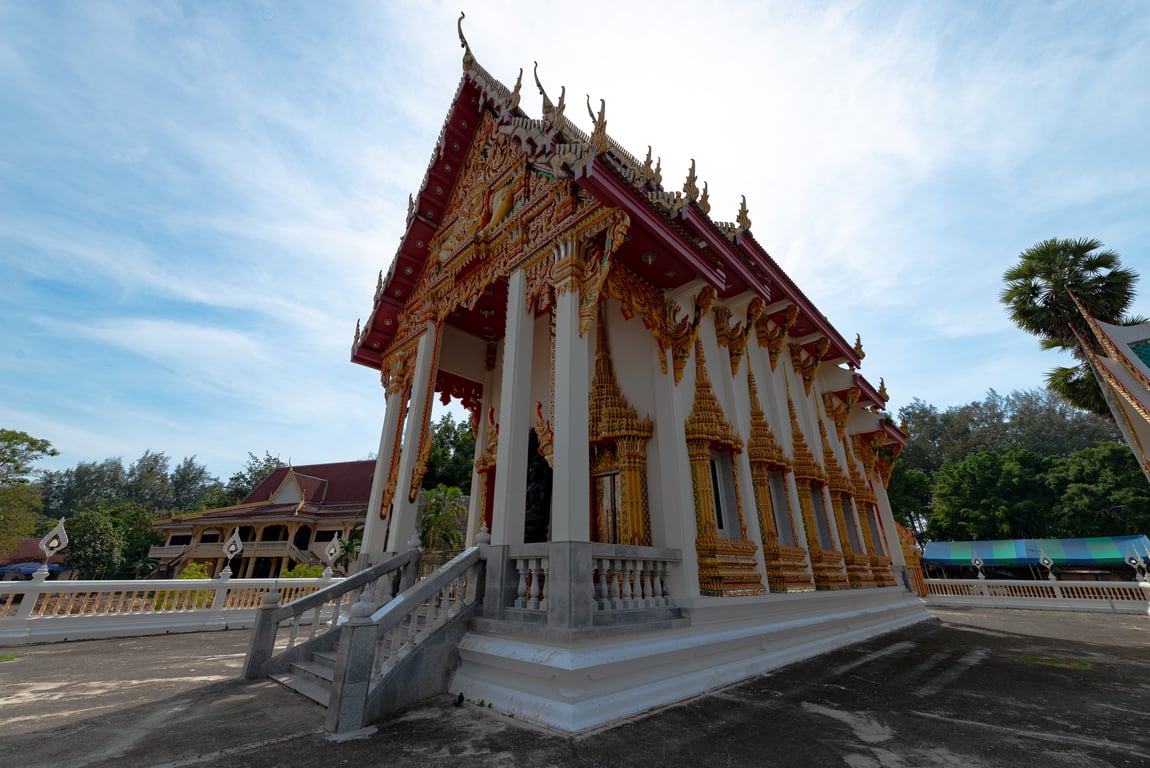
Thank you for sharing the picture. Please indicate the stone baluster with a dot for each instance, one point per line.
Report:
(613, 585)
(521, 590)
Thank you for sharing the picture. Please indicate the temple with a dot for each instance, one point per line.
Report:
(680, 470)
(1120, 360)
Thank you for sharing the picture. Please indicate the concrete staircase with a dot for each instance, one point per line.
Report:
(313, 678)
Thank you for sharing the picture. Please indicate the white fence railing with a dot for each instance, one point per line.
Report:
(1103, 596)
(54, 611)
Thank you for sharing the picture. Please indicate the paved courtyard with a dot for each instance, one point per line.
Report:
(975, 688)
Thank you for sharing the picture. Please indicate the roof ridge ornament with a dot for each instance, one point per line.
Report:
(547, 105)
(513, 100)
(468, 58)
(705, 200)
(690, 186)
(599, 139)
(744, 220)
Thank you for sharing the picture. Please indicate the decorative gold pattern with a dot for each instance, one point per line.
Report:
(839, 408)
(690, 186)
(826, 564)
(618, 441)
(726, 565)
(771, 332)
(807, 362)
(734, 337)
(786, 565)
(842, 503)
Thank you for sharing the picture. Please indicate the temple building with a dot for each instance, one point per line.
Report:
(680, 469)
(1122, 369)
(291, 517)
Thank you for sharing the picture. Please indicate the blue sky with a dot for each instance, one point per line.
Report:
(196, 198)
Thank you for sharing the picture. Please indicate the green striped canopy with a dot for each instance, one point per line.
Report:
(1104, 550)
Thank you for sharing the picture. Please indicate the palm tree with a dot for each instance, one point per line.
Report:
(1037, 298)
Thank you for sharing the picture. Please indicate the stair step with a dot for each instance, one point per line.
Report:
(314, 691)
(326, 657)
(320, 672)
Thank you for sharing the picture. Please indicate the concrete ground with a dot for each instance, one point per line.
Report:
(974, 688)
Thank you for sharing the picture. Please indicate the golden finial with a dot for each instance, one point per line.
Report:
(648, 169)
(690, 188)
(599, 140)
(882, 390)
(705, 200)
(379, 283)
(468, 59)
(744, 220)
(355, 342)
(657, 176)
(514, 101)
(547, 105)
(858, 347)
(557, 115)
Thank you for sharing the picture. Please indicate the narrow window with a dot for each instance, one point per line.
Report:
(820, 509)
(849, 523)
(781, 506)
(717, 492)
(875, 530)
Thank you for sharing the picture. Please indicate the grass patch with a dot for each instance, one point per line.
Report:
(1063, 663)
(7, 657)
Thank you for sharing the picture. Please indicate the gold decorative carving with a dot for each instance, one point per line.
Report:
(839, 408)
(743, 220)
(734, 337)
(726, 564)
(882, 390)
(468, 59)
(826, 563)
(786, 564)
(705, 200)
(858, 348)
(771, 332)
(396, 447)
(545, 434)
(807, 362)
(842, 504)
(690, 187)
(618, 442)
(617, 228)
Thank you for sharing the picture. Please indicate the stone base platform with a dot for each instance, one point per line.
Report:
(574, 687)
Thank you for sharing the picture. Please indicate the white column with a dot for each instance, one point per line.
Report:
(673, 525)
(375, 527)
(404, 513)
(571, 493)
(515, 408)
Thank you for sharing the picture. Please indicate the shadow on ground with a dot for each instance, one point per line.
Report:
(973, 688)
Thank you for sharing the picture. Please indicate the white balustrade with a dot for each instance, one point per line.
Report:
(1106, 596)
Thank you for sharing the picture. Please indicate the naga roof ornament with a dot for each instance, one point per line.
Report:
(705, 200)
(744, 220)
(468, 58)
(690, 186)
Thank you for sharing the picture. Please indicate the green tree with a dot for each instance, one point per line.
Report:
(95, 546)
(452, 455)
(441, 518)
(1038, 299)
(909, 492)
(992, 494)
(193, 488)
(20, 500)
(1100, 491)
(148, 482)
(85, 486)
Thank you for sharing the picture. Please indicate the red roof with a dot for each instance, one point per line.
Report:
(343, 482)
(27, 551)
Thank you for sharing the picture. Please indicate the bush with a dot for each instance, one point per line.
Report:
(303, 571)
(201, 598)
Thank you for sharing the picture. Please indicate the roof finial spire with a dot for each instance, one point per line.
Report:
(744, 220)
(468, 59)
(705, 200)
(547, 105)
(599, 140)
(514, 100)
(690, 186)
